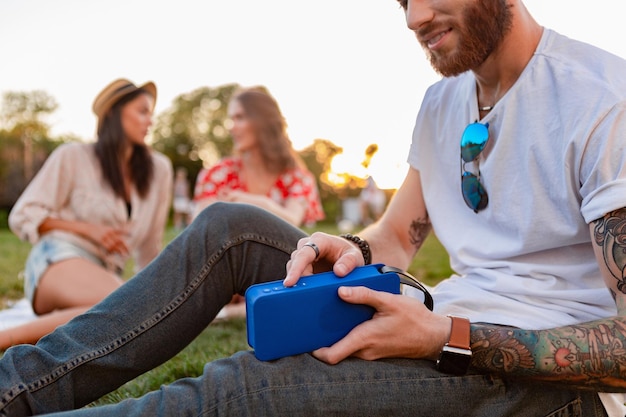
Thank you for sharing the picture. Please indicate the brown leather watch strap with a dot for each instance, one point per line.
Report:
(459, 333)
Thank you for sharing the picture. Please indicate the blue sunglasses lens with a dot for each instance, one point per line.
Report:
(473, 142)
(474, 193)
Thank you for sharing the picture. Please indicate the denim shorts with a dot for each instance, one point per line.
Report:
(44, 253)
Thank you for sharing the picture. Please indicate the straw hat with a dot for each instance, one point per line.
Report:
(116, 90)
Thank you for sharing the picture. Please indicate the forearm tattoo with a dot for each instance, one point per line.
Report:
(589, 355)
(419, 230)
(592, 355)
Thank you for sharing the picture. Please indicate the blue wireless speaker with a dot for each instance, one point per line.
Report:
(283, 321)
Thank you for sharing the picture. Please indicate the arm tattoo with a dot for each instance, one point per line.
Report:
(418, 231)
(587, 355)
(610, 235)
(592, 355)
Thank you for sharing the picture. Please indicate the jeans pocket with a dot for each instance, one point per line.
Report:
(571, 409)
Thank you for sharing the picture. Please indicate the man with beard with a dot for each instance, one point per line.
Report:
(517, 165)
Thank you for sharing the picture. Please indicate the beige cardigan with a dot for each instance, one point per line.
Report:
(70, 186)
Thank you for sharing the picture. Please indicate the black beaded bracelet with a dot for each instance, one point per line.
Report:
(363, 245)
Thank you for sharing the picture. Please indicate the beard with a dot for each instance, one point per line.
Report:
(485, 23)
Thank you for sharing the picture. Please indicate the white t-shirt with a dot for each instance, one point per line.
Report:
(555, 161)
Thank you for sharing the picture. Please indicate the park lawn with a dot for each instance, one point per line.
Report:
(13, 253)
(219, 339)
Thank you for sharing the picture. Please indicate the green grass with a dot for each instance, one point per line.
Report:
(218, 340)
(13, 253)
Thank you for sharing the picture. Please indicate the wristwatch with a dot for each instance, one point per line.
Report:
(456, 355)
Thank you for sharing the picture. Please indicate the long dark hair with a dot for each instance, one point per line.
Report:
(110, 149)
(271, 128)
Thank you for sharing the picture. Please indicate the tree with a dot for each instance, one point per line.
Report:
(25, 140)
(193, 131)
(318, 157)
(23, 113)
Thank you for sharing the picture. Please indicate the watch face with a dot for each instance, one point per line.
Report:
(454, 361)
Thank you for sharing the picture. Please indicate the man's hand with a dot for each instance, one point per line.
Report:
(335, 253)
(402, 327)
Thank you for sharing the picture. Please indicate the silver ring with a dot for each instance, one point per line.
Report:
(315, 248)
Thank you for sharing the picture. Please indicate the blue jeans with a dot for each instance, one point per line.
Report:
(157, 313)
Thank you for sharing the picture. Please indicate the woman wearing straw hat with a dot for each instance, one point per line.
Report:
(89, 208)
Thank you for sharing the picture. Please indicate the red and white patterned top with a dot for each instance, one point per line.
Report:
(295, 183)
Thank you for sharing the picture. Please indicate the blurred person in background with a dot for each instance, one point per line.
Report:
(264, 170)
(182, 199)
(89, 209)
(372, 202)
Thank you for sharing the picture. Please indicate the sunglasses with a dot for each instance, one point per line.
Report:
(473, 141)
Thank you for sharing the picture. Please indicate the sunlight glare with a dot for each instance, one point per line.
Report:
(384, 167)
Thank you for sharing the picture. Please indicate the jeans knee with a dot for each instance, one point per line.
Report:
(223, 212)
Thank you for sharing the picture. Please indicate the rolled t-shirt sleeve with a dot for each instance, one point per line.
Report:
(603, 167)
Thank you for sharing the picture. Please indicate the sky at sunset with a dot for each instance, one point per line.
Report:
(344, 70)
